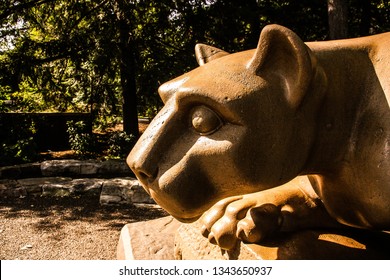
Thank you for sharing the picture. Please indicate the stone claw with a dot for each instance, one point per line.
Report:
(240, 218)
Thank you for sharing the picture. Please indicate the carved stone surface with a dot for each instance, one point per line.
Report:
(303, 245)
(191, 245)
(149, 240)
(167, 239)
(286, 137)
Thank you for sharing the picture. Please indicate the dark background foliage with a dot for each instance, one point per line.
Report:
(108, 57)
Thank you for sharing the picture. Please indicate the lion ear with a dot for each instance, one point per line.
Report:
(205, 53)
(281, 52)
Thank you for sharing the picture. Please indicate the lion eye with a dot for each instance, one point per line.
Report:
(205, 121)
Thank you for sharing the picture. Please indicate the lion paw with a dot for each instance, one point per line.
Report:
(242, 218)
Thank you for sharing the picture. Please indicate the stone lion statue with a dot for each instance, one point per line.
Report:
(287, 136)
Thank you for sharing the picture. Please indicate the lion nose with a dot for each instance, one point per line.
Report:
(144, 171)
(145, 156)
(145, 176)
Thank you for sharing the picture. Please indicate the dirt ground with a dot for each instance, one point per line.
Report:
(64, 228)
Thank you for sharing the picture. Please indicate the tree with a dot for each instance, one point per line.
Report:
(108, 57)
(126, 59)
(368, 17)
(338, 19)
(309, 19)
(73, 54)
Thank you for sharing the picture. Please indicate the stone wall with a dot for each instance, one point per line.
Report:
(111, 181)
(71, 168)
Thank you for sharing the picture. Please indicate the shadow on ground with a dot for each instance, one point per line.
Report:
(65, 228)
(76, 208)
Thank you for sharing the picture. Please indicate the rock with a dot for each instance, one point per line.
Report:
(139, 194)
(85, 168)
(89, 168)
(30, 170)
(191, 245)
(21, 171)
(114, 168)
(10, 172)
(302, 245)
(70, 167)
(148, 240)
(116, 191)
(11, 188)
(111, 191)
(52, 168)
(8, 184)
(106, 199)
(123, 190)
(33, 186)
(86, 186)
(56, 178)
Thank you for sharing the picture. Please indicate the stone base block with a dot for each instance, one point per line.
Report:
(167, 239)
(303, 245)
(149, 240)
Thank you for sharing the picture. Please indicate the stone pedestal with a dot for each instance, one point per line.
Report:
(165, 238)
(303, 245)
(148, 240)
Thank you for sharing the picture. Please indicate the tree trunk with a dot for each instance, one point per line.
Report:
(365, 22)
(338, 19)
(127, 73)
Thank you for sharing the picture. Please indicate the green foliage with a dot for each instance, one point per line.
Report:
(28, 98)
(63, 52)
(5, 98)
(92, 55)
(82, 142)
(309, 19)
(17, 143)
(96, 56)
(120, 144)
